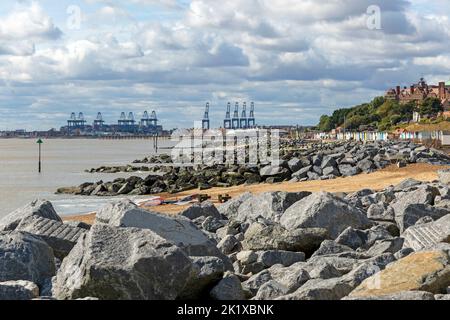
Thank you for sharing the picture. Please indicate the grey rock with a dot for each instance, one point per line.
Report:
(205, 274)
(381, 211)
(404, 295)
(324, 210)
(313, 176)
(59, 236)
(179, 230)
(427, 235)
(366, 165)
(284, 258)
(247, 257)
(229, 288)
(407, 184)
(324, 271)
(269, 205)
(444, 176)
(229, 244)
(204, 209)
(212, 224)
(319, 289)
(18, 290)
(302, 173)
(403, 253)
(330, 247)
(411, 213)
(271, 290)
(41, 208)
(123, 264)
(295, 164)
(352, 238)
(422, 195)
(256, 281)
(348, 170)
(275, 237)
(376, 233)
(327, 171)
(292, 277)
(386, 246)
(230, 208)
(25, 257)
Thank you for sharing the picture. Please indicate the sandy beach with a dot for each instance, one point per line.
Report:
(377, 180)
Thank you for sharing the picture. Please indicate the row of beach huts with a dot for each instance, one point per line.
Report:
(441, 137)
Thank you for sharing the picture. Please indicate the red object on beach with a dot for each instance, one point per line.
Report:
(154, 202)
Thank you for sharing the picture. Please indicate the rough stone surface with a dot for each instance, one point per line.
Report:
(423, 271)
(205, 209)
(412, 213)
(25, 257)
(205, 274)
(404, 295)
(230, 208)
(18, 290)
(121, 264)
(275, 237)
(271, 290)
(180, 231)
(269, 205)
(324, 210)
(59, 236)
(229, 288)
(427, 235)
(41, 208)
(284, 258)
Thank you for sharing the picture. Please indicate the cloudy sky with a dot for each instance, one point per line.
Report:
(297, 59)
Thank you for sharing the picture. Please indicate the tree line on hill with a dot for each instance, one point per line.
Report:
(380, 114)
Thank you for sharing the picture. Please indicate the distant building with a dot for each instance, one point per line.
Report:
(419, 92)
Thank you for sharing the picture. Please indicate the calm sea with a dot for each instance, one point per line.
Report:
(63, 164)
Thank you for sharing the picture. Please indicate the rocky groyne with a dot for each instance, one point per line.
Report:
(317, 162)
(370, 245)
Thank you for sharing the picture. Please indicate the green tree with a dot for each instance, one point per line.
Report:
(325, 124)
(430, 106)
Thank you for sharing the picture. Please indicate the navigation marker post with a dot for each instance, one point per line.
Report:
(39, 142)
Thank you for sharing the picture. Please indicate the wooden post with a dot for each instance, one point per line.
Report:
(39, 142)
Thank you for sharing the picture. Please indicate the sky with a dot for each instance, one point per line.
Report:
(296, 59)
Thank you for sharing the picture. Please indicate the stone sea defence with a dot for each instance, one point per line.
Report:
(318, 162)
(371, 245)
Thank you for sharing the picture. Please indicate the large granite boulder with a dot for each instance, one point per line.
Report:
(411, 213)
(444, 176)
(40, 208)
(421, 271)
(59, 236)
(426, 236)
(259, 237)
(25, 257)
(18, 290)
(206, 273)
(230, 208)
(269, 205)
(424, 194)
(178, 230)
(324, 210)
(123, 263)
(204, 209)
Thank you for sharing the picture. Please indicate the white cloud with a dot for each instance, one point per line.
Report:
(26, 23)
(287, 55)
